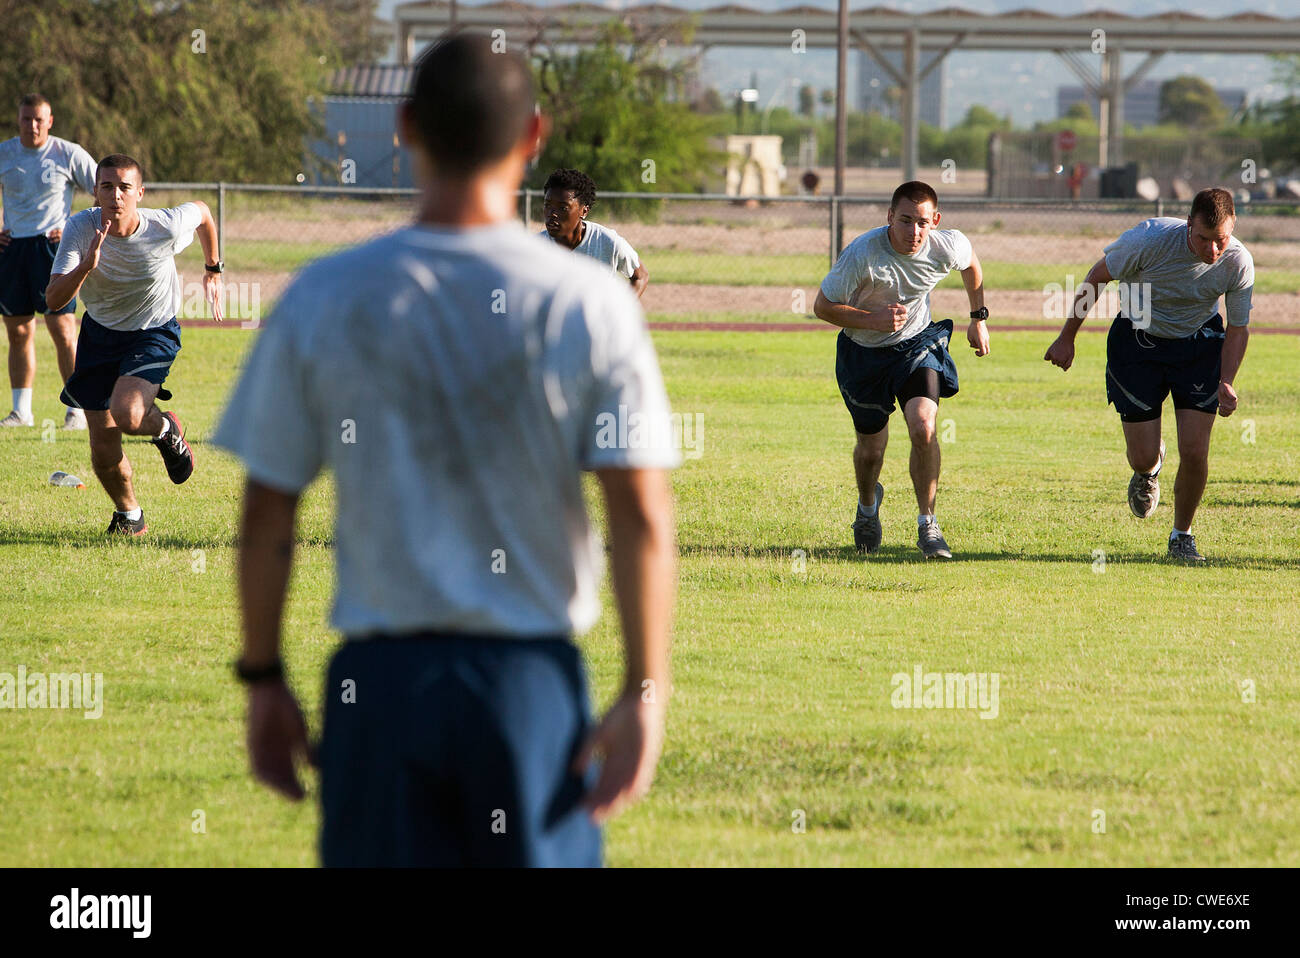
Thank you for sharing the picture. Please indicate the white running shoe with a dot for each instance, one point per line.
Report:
(14, 419)
(74, 419)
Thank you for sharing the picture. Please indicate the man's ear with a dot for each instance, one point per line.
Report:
(937, 216)
(406, 124)
(535, 135)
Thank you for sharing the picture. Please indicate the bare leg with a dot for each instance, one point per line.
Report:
(110, 463)
(133, 408)
(1193, 464)
(63, 328)
(22, 350)
(920, 413)
(1142, 440)
(868, 457)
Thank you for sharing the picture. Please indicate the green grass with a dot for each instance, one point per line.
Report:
(276, 255)
(1120, 689)
(809, 269)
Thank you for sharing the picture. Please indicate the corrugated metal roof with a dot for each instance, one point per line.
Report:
(378, 79)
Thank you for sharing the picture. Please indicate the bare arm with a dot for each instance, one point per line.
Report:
(1061, 352)
(276, 729)
(1234, 351)
(640, 279)
(644, 559)
(207, 234)
(888, 320)
(64, 286)
(977, 334)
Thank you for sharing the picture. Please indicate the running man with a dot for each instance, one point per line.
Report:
(37, 175)
(118, 257)
(879, 293)
(568, 198)
(466, 560)
(1172, 273)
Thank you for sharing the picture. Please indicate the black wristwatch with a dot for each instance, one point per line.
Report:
(981, 314)
(219, 268)
(264, 673)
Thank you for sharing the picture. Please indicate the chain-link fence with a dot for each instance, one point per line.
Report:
(741, 259)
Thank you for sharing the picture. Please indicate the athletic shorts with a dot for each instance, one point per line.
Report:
(871, 377)
(24, 273)
(449, 751)
(104, 355)
(1141, 370)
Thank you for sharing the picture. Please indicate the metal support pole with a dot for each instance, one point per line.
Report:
(911, 102)
(1115, 121)
(841, 107)
(837, 230)
(1105, 104)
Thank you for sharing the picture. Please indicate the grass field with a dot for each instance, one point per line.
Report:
(1121, 676)
(694, 266)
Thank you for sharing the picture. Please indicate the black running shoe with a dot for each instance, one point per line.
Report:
(122, 526)
(866, 529)
(1183, 549)
(176, 453)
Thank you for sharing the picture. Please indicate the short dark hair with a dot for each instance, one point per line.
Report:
(468, 104)
(917, 192)
(33, 99)
(1213, 206)
(582, 185)
(118, 161)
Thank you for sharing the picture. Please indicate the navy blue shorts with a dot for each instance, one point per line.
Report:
(104, 355)
(871, 377)
(1141, 370)
(456, 751)
(24, 273)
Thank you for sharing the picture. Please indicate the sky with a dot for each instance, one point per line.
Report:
(1022, 86)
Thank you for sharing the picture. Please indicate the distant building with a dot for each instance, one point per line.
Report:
(360, 117)
(1141, 104)
(874, 84)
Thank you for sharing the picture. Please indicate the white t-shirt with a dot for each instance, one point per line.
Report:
(38, 183)
(1154, 259)
(457, 383)
(604, 245)
(871, 275)
(135, 285)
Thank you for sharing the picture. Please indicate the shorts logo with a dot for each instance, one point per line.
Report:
(1199, 387)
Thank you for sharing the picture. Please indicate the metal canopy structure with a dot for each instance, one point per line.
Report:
(1090, 44)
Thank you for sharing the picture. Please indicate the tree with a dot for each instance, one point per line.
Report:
(983, 117)
(1079, 110)
(710, 101)
(1190, 101)
(807, 100)
(613, 119)
(194, 89)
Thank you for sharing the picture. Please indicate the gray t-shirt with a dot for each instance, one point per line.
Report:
(456, 382)
(1167, 283)
(871, 275)
(603, 244)
(135, 285)
(38, 183)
